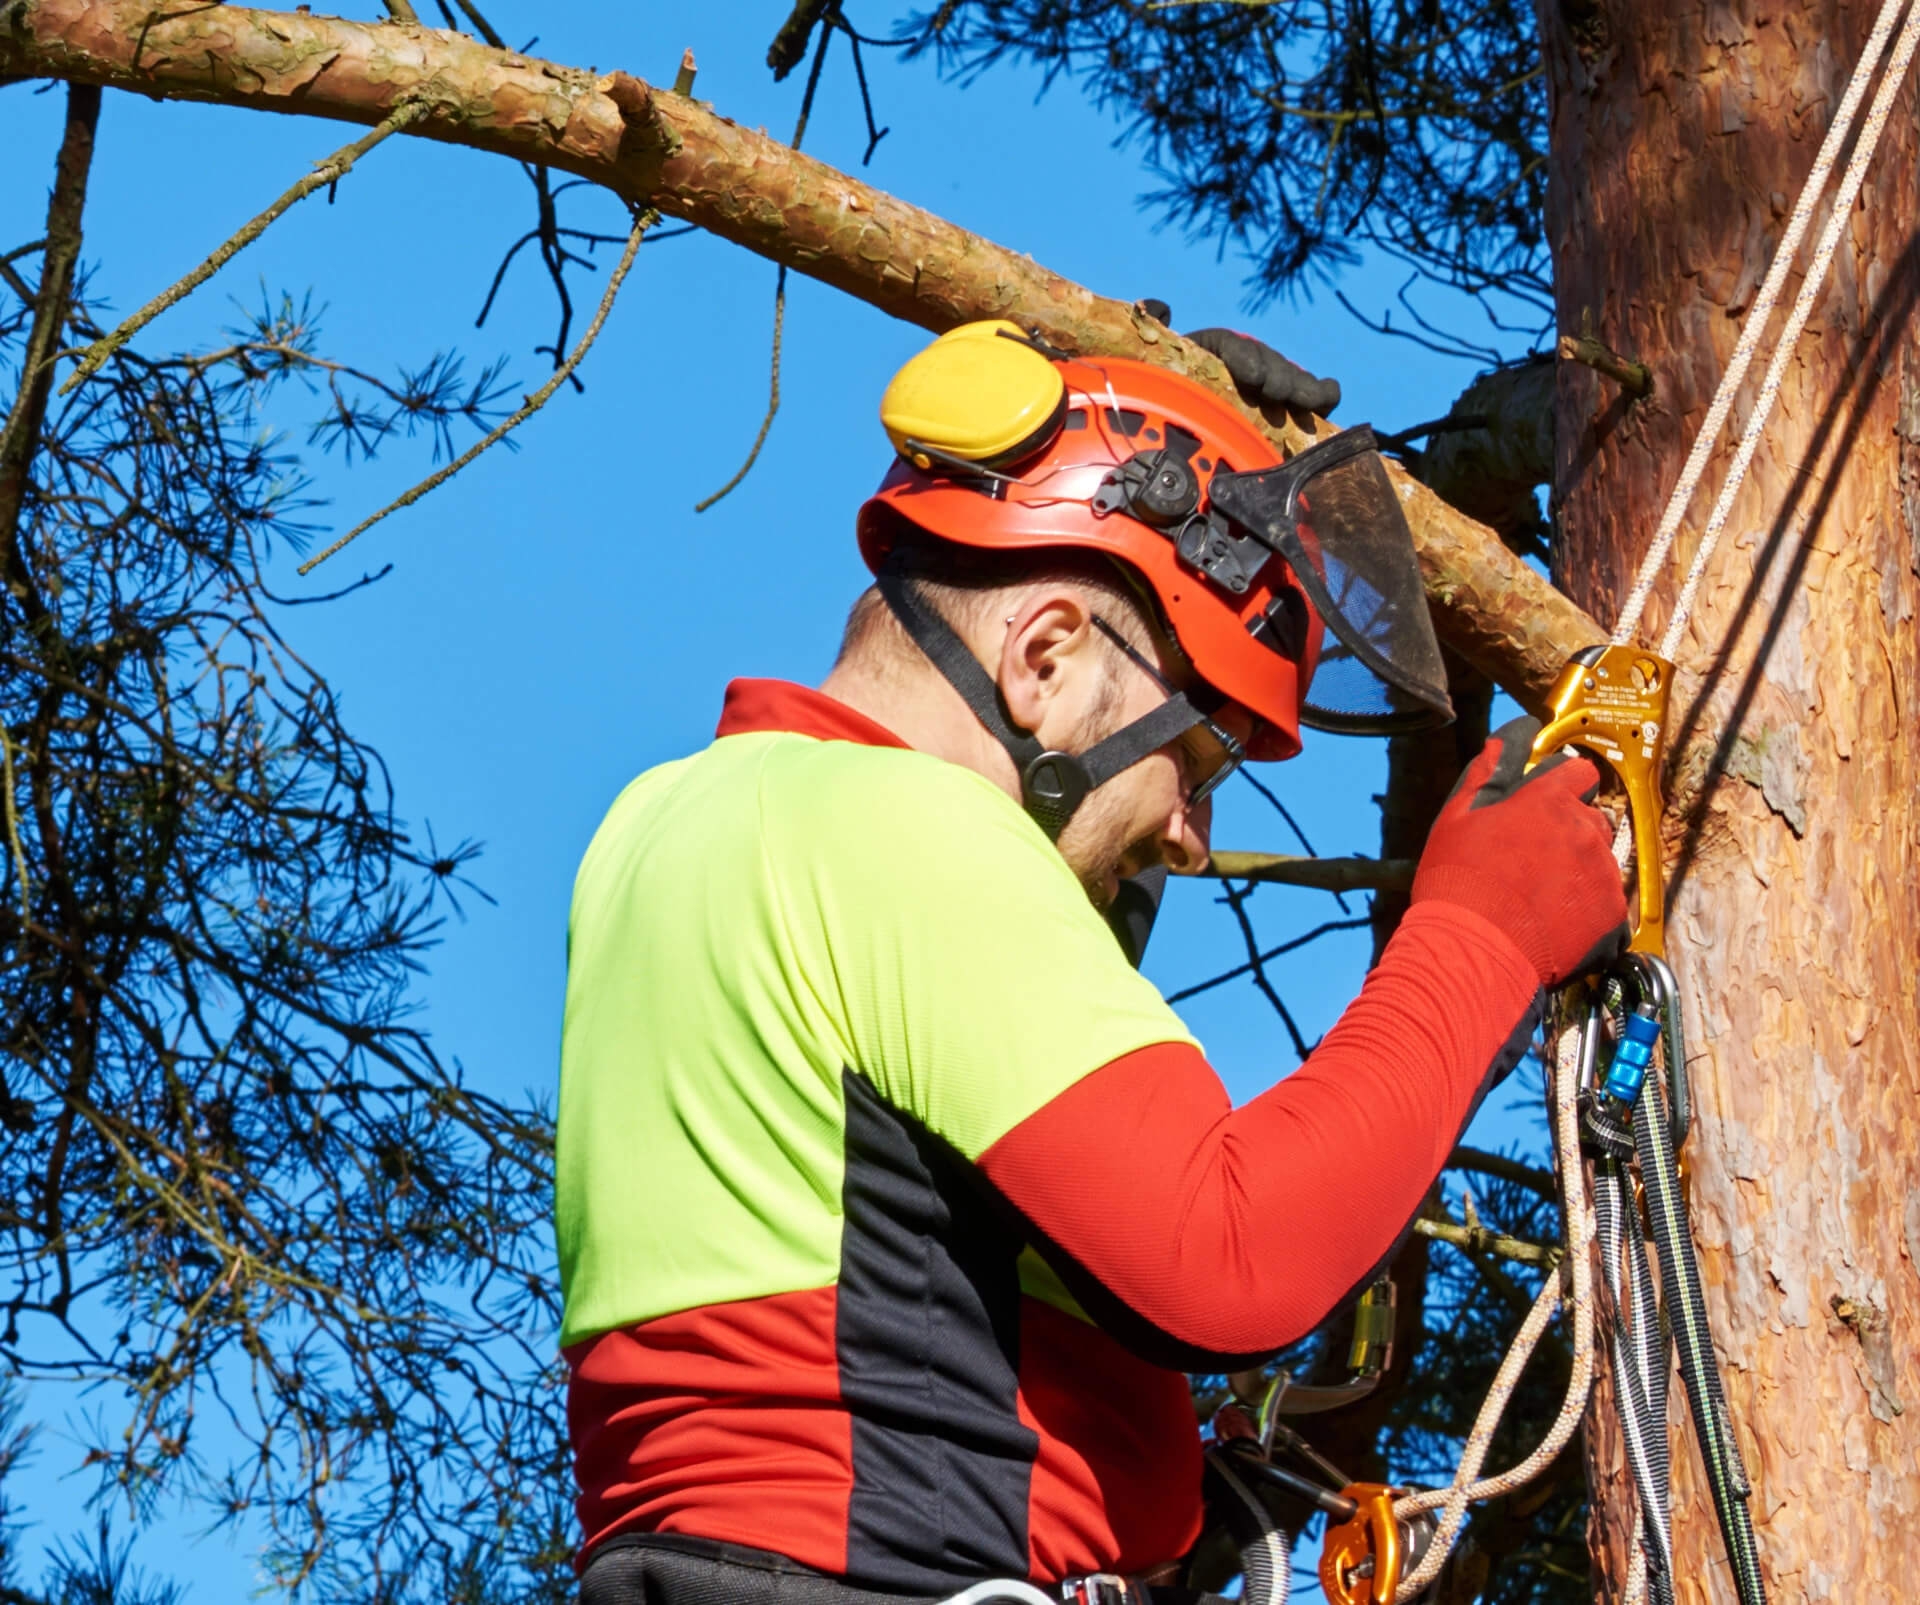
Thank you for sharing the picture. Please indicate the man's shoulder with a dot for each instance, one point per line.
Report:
(901, 811)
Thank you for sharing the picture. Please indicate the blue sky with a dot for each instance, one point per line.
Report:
(558, 618)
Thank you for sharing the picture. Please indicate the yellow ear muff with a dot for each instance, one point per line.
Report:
(980, 393)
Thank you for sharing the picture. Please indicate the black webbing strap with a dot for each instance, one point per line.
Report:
(1144, 737)
(963, 671)
(675, 1569)
(667, 1569)
(1052, 784)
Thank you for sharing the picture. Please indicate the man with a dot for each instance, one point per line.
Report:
(892, 1201)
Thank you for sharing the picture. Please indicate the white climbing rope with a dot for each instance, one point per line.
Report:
(1578, 1268)
(1465, 1489)
(1810, 288)
(1769, 293)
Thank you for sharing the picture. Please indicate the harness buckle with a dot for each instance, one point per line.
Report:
(1097, 1588)
(1611, 701)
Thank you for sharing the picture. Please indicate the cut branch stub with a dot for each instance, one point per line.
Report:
(674, 153)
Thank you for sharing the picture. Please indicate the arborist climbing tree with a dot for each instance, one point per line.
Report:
(1674, 142)
(892, 1202)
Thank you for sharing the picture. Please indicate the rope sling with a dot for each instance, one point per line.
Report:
(1639, 1350)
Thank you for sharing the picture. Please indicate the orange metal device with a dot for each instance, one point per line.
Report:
(1611, 701)
(1360, 1557)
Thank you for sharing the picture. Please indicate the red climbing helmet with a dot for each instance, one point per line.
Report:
(1291, 587)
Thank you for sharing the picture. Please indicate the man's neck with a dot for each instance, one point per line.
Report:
(926, 713)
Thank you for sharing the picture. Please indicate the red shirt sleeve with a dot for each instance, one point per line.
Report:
(1204, 1236)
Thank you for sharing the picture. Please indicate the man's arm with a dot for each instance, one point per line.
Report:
(1203, 1236)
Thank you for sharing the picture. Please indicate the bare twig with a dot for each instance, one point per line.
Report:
(1483, 1240)
(401, 11)
(13, 828)
(15, 283)
(1292, 824)
(1636, 378)
(1323, 874)
(487, 30)
(1236, 899)
(780, 279)
(1264, 957)
(1453, 423)
(641, 223)
(773, 395)
(1505, 1169)
(330, 171)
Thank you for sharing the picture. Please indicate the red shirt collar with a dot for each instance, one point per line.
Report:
(782, 705)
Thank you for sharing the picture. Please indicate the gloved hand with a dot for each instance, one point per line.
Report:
(1530, 855)
(1262, 374)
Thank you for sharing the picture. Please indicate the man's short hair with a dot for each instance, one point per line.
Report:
(969, 583)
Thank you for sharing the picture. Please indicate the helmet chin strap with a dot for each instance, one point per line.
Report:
(1053, 784)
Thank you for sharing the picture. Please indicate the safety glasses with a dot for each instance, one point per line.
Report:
(1234, 753)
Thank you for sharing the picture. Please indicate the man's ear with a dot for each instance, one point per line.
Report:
(1046, 633)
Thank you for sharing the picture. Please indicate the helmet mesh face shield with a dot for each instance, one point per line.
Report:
(1332, 514)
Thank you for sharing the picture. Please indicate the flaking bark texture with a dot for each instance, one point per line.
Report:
(1681, 135)
(677, 154)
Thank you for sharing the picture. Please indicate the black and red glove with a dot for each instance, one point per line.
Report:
(1528, 853)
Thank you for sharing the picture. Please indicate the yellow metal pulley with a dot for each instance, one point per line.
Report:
(1361, 1558)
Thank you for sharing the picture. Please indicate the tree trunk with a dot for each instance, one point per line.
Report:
(1680, 137)
(671, 151)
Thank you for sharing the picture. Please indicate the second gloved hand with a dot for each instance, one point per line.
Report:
(1529, 853)
(1262, 374)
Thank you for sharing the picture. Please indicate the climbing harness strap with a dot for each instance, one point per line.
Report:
(678, 1569)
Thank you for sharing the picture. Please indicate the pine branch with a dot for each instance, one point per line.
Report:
(674, 152)
(533, 403)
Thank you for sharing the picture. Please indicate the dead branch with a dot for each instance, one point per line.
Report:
(672, 152)
(20, 434)
(1485, 1240)
(1323, 874)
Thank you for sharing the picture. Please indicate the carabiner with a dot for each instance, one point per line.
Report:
(1641, 993)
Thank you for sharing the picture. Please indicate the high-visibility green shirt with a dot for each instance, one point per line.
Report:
(890, 1197)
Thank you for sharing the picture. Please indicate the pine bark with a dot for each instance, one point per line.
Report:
(1680, 136)
(657, 148)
